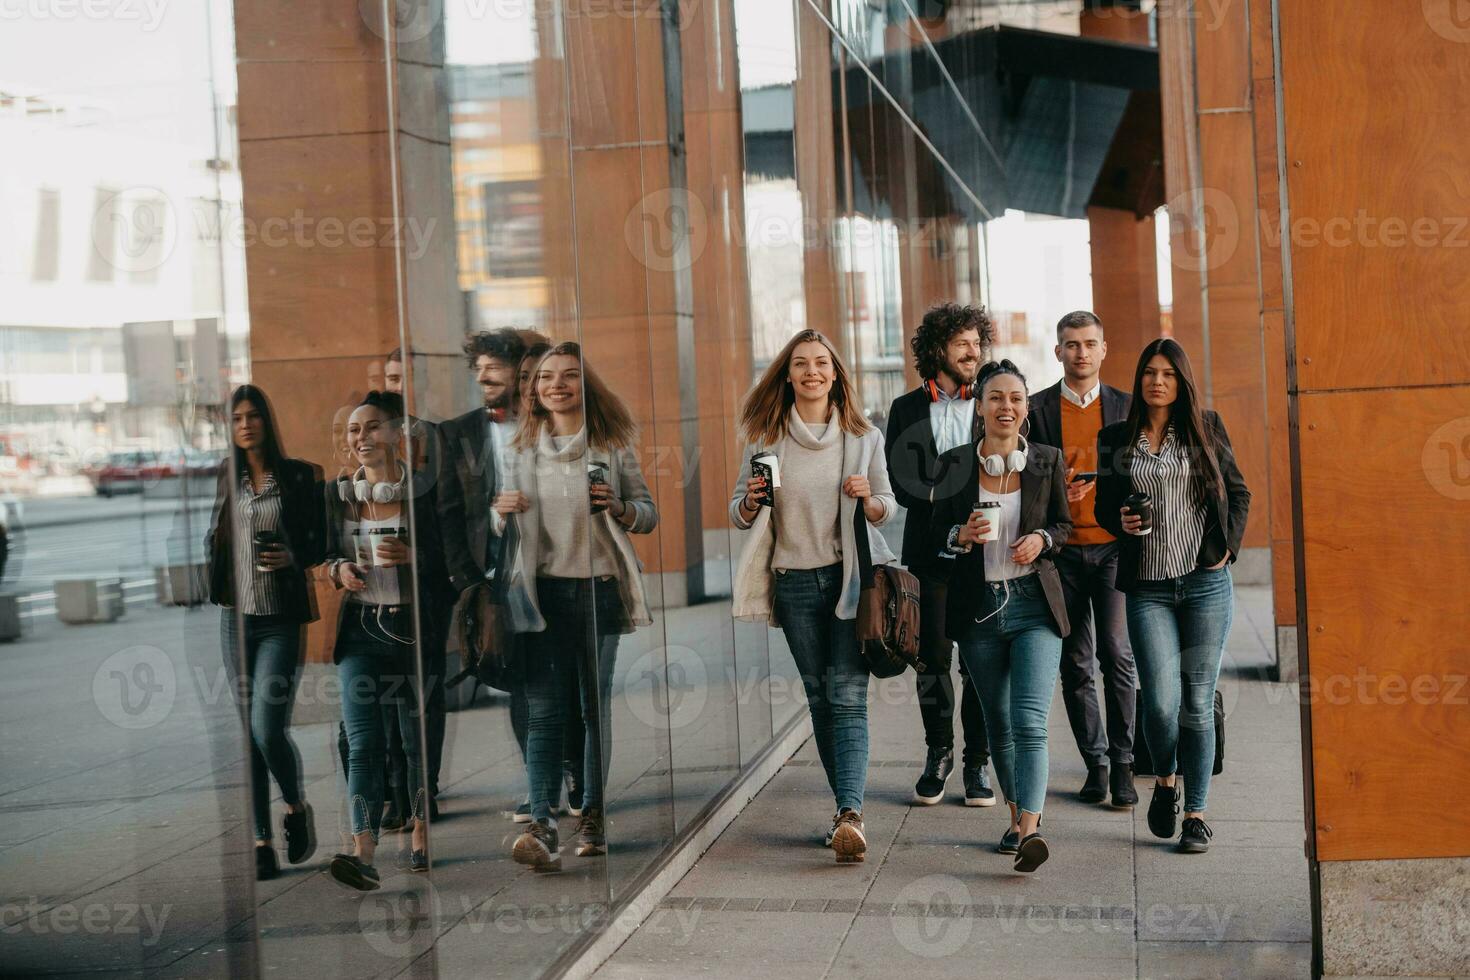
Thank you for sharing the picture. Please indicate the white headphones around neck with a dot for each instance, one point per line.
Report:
(358, 488)
(998, 465)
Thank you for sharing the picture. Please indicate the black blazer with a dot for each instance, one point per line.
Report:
(467, 482)
(1043, 506)
(1226, 510)
(918, 473)
(301, 516)
(1046, 413)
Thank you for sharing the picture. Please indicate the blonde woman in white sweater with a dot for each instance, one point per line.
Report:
(799, 568)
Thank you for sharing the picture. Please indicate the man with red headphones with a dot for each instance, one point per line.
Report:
(935, 419)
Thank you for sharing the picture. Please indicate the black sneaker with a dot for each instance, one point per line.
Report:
(848, 839)
(538, 848)
(522, 813)
(1095, 790)
(977, 787)
(1031, 853)
(1124, 795)
(1162, 810)
(300, 830)
(350, 871)
(266, 864)
(575, 796)
(1195, 838)
(1009, 841)
(591, 839)
(418, 861)
(938, 764)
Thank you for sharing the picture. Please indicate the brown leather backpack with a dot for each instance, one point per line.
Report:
(888, 610)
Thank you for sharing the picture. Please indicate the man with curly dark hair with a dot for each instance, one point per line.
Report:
(926, 428)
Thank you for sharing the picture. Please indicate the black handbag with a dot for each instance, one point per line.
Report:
(888, 610)
(487, 645)
(1143, 760)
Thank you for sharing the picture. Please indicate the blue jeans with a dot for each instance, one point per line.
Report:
(572, 659)
(377, 674)
(1178, 627)
(832, 670)
(265, 690)
(1013, 658)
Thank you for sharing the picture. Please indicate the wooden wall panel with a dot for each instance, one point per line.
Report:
(1222, 41)
(1125, 287)
(1376, 111)
(1387, 571)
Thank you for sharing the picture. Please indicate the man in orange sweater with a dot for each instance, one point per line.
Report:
(1068, 415)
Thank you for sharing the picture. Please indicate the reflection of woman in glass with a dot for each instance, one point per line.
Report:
(265, 532)
(367, 535)
(799, 568)
(575, 736)
(573, 493)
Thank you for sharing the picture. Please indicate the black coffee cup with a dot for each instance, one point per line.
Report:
(264, 541)
(765, 466)
(597, 476)
(1141, 504)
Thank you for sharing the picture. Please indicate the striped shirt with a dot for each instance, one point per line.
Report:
(1172, 549)
(257, 593)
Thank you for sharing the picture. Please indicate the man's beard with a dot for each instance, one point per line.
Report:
(501, 398)
(959, 376)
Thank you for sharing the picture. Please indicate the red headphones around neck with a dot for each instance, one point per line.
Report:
(932, 387)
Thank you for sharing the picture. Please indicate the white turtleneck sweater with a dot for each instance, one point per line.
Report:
(808, 505)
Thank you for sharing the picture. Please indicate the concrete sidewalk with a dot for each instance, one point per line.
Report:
(768, 901)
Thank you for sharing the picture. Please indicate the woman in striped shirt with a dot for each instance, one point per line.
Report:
(1173, 558)
(265, 531)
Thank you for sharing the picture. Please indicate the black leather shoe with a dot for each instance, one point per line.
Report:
(1008, 842)
(300, 831)
(1124, 795)
(1031, 853)
(266, 865)
(938, 765)
(1095, 790)
(1163, 809)
(1196, 836)
(977, 787)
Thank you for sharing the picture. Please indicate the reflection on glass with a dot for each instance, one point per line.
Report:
(573, 493)
(266, 531)
(765, 40)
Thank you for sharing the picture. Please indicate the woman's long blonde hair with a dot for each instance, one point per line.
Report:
(608, 422)
(764, 414)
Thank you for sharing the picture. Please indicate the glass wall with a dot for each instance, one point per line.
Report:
(126, 777)
(295, 666)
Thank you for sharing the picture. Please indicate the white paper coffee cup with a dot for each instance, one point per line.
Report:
(375, 538)
(774, 463)
(990, 510)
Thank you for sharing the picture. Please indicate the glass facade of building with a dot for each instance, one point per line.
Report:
(328, 201)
